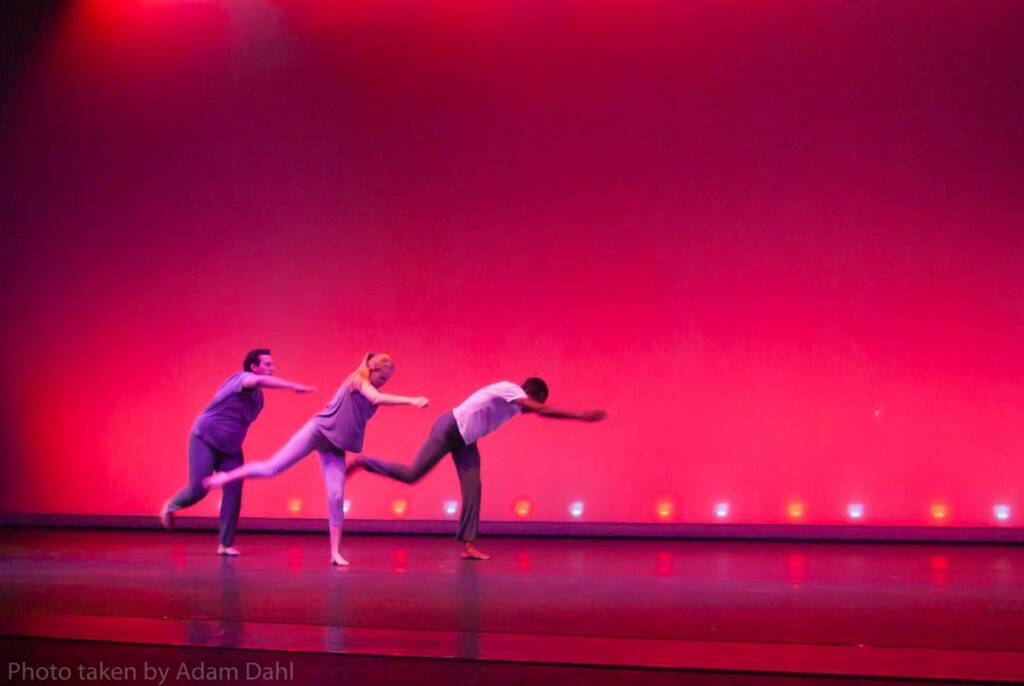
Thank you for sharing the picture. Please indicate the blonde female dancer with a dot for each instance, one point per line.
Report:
(339, 428)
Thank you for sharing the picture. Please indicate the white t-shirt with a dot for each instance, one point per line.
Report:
(487, 409)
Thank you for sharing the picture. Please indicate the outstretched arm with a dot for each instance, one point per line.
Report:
(378, 398)
(267, 381)
(532, 406)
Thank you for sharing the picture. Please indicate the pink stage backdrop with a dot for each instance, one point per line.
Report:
(781, 243)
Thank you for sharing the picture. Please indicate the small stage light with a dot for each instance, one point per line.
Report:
(346, 506)
(522, 508)
(664, 509)
(939, 512)
(450, 507)
(1002, 512)
(795, 510)
(400, 507)
(295, 505)
(722, 510)
(576, 508)
(399, 560)
(855, 510)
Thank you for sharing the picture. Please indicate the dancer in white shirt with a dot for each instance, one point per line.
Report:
(458, 431)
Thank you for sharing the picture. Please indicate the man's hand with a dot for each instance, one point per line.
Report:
(420, 402)
(299, 388)
(593, 415)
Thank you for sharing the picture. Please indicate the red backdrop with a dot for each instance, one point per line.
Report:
(781, 243)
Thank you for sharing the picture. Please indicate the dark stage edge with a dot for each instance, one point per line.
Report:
(739, 532)
(542, 611)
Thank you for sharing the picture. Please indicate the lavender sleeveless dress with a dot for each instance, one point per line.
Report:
(343, 422)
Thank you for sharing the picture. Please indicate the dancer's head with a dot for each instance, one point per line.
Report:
(536, 389)
(258, 361)
(376, 368)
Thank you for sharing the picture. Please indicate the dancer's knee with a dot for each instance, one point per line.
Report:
(334, 494)
(402, 473)
(335, 511)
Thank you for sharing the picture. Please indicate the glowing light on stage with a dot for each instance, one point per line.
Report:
(664, 509)
(722, 510)
(399, 560)
(576, 508)
(663, 563)
(1002, 512)
(939, 512)
(522, 508)
(795, 510)
(855, 510)
(295, 505)
(796, 568)
(451, 507)
(940, 569)
(400, 507)
(346, 506)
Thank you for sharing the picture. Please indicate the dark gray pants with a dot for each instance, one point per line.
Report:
(444, 438)
(203, 459)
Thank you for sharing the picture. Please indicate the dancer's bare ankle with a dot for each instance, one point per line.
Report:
(470, 552)
(167, 516)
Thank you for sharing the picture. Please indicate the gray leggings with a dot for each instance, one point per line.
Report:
(444, 438)
(332, 463)
(203, 459)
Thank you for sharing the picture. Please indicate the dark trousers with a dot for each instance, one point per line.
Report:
(203, 459)
(444, 438)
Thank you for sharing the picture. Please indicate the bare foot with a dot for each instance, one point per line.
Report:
(337, 559)
(229, 550)
(215, 480)
(471, 553)
(166, 516)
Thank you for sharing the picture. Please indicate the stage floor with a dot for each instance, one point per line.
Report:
(722, 612)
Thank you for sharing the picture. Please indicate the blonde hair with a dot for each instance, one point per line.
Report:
(371, 362)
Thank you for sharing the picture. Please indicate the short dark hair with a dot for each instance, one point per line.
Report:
(536, 389)
(253, 357)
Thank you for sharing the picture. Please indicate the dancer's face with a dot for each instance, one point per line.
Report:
(264, 368)
(379, 377)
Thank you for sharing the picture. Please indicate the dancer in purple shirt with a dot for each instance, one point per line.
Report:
(339, 428)
(216, 440)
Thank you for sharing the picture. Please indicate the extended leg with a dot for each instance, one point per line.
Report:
(297, 447)
(438, 444)
(201, 458)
